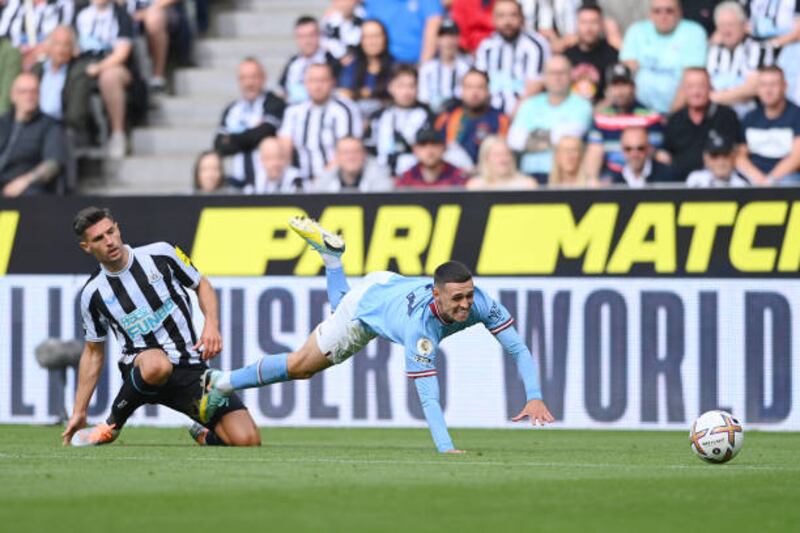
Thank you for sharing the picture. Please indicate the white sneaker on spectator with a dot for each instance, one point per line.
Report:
(157, 84)
(117, 145)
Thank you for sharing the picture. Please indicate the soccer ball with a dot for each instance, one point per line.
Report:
(716, 436)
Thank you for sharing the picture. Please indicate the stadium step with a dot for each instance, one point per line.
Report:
(187, 111)
(183, 140)
(145, 175)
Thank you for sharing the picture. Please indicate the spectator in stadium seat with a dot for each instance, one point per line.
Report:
(28, 23)
(640, 168)
(162, 21)
(658, 50)
(557, 21)
(591, 56)
(10, 65)
(105, 31)
(702, 12)
(719, 157)
(734, 59)
(393, 129)
(543, 119)
(310, 51)
(341, 30)
(311, 129)
(257, 114)
(432, 171)
(567, 168)
(687, 129)
(32, 144)
(209, 174)
(412, 26)
(470, 123)
(512, 58)
(778, 23)
(771, 154)
(366, 79)
(440, 77)
(277, 175)
(474, 19)
(56, 73)
(603, 153)
(353, 171)
(497, 168)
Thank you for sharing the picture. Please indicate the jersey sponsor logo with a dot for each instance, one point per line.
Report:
(424, 346)
(8, 231)
(143, 321)
(421, 359)
(183, 257)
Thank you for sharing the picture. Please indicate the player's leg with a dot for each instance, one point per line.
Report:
(330, 248)
(141, 383)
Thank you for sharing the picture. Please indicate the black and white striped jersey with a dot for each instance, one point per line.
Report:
(292, 80)
(339, 35)
(244, 124)
(771, 18)
(439, 83)
(24, 27)
(510, 64)
(314, 130)
(99, 30)
(729, 67)
(292, 181)
(561, 16)
(145, 305)
(393, 133)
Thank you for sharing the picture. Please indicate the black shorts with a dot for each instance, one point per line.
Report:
(183, 391)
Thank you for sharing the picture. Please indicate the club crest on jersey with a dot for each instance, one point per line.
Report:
(154, 277)
(424, 346)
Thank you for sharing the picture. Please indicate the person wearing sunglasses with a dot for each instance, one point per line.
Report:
(659, 49)
(640, 168)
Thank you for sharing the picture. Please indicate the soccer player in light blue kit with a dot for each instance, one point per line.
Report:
(417, 313)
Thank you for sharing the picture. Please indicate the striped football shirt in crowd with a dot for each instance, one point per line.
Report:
(23, 27)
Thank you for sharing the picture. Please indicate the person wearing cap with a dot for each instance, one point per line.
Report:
(687, 129)
(719, 156)
(622, 110)
(543, 119)
(466, 126)
(592, 55)
(432, 171)
(440, 77)
(640, 169)
(658, 50)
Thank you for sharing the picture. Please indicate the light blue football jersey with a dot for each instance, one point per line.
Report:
(403, 310)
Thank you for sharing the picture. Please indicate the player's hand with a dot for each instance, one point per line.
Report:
(536, 411)
(210, 341)
(76, 422)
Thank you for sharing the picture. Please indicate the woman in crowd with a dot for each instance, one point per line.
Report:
(366, 79)
(209, 174)
(567, 169)
(497, 169)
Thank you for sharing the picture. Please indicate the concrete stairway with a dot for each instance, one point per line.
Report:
(182, 125)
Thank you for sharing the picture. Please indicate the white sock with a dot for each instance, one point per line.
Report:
(223, 384)
(331, 261)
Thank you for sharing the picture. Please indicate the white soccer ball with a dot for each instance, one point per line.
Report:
(716, 436)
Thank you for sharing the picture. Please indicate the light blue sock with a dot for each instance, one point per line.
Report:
(269, 369)
(337, 285)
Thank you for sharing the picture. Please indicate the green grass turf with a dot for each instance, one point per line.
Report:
(392, 480)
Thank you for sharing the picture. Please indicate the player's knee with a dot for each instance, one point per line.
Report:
(246, 438)
(156, 370)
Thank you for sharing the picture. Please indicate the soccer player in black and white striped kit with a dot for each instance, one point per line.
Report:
(139, 294)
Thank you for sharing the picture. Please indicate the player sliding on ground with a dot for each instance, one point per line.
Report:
(413, 312)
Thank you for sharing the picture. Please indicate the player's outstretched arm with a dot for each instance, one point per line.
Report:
(210, 338)
(428, 390)
(535, 409)
(89, 369)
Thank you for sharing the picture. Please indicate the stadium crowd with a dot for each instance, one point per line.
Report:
(425, 94)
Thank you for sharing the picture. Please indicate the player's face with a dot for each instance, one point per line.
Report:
(103, 241)
(455, 300)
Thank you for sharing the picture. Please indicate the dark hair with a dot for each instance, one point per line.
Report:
(305, 19)
(591, 6)
(88, 217)
(477, 72)
(360, 67)
(402, 69)
(451, 272)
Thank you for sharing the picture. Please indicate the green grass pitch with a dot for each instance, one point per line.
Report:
(353, 480)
